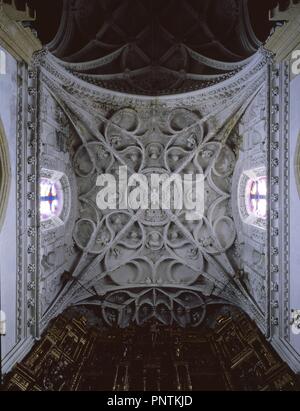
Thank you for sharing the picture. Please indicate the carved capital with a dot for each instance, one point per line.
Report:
(285, 37)
(18, 40)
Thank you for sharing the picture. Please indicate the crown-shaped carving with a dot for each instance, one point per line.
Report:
(16, 37)
(290, 11)
(11, 10)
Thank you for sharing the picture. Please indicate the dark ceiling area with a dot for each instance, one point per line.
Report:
(151, 47)
(49, 15)
(259, 16)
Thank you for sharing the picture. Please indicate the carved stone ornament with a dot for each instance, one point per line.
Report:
(14, 37)
(150, 259)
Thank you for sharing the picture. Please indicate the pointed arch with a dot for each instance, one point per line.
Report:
(5, 174)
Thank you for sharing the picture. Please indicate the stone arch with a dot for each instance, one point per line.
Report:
(5, 174)
(60, 220)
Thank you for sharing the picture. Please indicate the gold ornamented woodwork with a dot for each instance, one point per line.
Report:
(286, 36)
(247, 359)
(73, 356)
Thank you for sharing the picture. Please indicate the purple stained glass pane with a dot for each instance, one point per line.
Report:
(257, 199)
(51, 199)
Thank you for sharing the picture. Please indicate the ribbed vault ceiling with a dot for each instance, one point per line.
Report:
(154, 47)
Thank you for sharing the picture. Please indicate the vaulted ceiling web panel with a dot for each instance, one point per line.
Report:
(140, 264)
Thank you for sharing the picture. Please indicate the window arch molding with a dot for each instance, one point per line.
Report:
(5, 174)
(60, 215)
(250, 180)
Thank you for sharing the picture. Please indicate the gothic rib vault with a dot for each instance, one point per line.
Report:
(164, 92)
(167, 93)
(139, 265)
(143, 47)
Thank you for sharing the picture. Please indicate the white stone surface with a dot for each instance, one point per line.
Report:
(8, 268)
(294, 207)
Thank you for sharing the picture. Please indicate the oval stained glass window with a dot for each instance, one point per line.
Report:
(51, 199)
(257, 197)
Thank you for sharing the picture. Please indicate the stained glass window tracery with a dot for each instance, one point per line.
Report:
(51, 199)
(257, 197)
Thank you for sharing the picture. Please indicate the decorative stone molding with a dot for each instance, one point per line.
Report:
(16, 39)
(54, 74)
(168, 306)
(285, 38)
(27, 222)
(280, 261)
(274, 181)
(188, 132)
